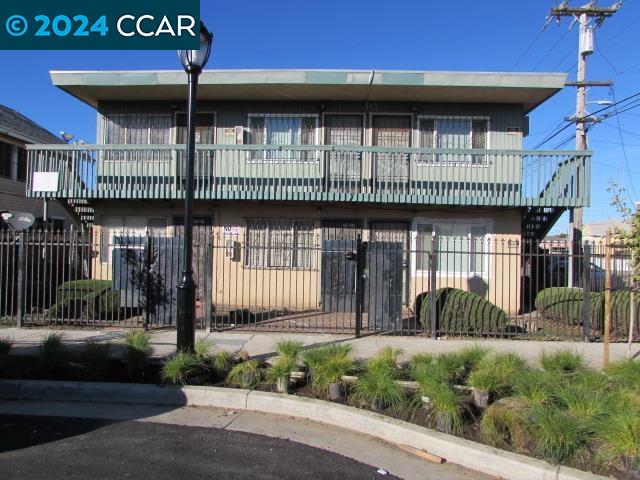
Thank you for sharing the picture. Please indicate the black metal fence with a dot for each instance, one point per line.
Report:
(296, 281)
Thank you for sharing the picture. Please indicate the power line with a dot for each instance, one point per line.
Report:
(624, 149)
(544, 57)
(535, 40)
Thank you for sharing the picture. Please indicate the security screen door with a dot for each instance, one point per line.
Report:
(343, 169)
(391, 169)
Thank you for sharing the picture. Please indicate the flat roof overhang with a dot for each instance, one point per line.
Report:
(527, 89)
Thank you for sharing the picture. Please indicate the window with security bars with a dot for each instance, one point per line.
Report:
(462, 248)
(453, 133)
(279, 243)
(283, 130)
(137, 129)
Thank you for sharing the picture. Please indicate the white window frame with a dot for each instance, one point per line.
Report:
(488, 224)
(284, 159)
(435, 118)
(270, 221)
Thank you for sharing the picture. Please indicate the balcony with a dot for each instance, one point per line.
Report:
(319, 173)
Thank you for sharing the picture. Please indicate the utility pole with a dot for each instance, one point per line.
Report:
(589, 17)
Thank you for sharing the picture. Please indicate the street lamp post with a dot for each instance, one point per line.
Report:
(193, 62)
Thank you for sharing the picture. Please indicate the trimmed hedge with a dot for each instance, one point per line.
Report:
(565, 304)
(462, 312)
(80, 298)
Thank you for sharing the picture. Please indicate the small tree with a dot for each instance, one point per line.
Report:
(631, 239)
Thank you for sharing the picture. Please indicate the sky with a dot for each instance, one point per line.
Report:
(493, 35)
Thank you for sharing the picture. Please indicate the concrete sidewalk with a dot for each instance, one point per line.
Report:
(262, 345)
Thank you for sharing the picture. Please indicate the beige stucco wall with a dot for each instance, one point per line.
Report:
(238, 286)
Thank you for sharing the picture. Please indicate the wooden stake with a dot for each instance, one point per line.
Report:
(607, 297)
(422, 454)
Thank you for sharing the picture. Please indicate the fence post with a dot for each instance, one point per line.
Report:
(586, 298)
(432, 290)
(148, 279)
(360, 251)
(20, 282)
(607, 297)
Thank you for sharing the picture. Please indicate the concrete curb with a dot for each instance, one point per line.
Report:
(465, 453)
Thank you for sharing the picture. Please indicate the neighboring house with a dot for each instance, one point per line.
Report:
(17, 131)
(597, 231)
(290, 159)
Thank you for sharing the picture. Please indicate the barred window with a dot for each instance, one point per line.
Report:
(137, 129)
(279, 243)
(283, 130)
(453, 133)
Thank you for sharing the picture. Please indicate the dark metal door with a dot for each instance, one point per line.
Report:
(338, 286)
(343, 170)
(391, 169)
(383, 296)
(382, 231)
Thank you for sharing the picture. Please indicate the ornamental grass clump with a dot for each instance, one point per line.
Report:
(137, 346)
(534, 387)
(558, 435)
(503, 425)
(52, 354)
(494, 373)
(625, 373)
(327, 365)
(202, 350)
(619, 434)
(222, 363)
(246, 374)
(377, 385)
(180, 368)
(445, 403)
(289, 349)
(563, 361)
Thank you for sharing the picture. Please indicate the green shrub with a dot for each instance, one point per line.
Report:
(535, 387)
(565, 304)
(179, 368)
(90, 298)
(137, 351)
(246, 374)
(463, 312)
(6, 344)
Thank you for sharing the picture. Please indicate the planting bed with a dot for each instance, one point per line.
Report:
(560, 410)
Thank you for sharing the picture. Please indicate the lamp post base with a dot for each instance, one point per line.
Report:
(186, 321)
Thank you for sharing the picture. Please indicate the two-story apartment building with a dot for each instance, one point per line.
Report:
(17, 131)
(291, 159)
